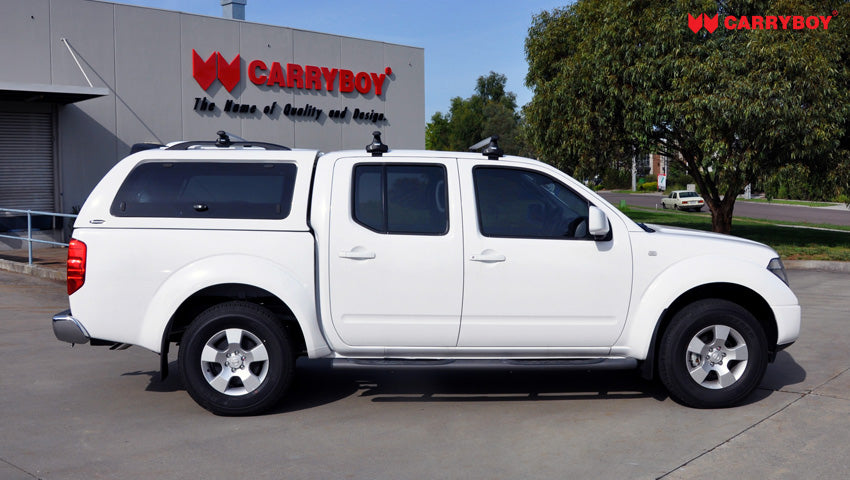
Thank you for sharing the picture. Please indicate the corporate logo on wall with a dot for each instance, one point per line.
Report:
(293, 76)
(756, 22)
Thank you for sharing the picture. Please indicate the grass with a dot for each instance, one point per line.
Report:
(635, 191)
(792, 242)
(790, 202)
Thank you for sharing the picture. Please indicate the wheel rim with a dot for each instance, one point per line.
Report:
(235, 362)
(717, 357)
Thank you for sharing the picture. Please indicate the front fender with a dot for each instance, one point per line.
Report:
(681, 277)
(224, 269)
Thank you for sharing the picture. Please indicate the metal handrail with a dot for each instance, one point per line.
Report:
(29, 238)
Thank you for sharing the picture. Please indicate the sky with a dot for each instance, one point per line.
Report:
(463, 39)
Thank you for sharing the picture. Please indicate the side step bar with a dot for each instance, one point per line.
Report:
(620, 363)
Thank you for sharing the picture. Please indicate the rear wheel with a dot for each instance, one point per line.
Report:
(714, 354)
(236, 359)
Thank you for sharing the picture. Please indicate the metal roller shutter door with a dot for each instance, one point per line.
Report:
(26, 161)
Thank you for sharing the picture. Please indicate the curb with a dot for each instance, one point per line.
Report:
(34, 270)
(821, 265)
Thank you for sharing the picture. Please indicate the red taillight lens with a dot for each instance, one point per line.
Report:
(76, 265)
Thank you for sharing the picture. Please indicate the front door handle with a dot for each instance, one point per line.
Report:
(357, 254)
(488, 257)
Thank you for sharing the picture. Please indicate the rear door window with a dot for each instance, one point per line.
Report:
(207, 190)
(405, 199)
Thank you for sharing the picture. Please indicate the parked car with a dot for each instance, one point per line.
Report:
(249, 255)
(683, 200)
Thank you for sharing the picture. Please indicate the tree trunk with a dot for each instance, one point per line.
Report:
(721, 210)
(721, 205)
(721, 217)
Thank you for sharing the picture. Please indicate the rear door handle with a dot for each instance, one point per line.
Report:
(357, 254)
(488, 257)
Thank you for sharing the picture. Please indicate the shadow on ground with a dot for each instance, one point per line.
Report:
(317, 383)
(784, 371)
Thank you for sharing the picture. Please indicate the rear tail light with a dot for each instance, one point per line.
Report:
(76, 265)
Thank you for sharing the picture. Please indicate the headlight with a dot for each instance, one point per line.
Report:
(778, 269)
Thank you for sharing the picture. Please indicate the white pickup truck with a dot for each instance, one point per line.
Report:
(247, 256)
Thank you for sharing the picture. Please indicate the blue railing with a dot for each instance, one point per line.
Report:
(29, 239)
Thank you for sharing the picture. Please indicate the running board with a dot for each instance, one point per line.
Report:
(620, 363)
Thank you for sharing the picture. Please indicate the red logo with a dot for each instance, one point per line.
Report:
(206, 71)
(696, 23)
(286, 75)
(756, 22)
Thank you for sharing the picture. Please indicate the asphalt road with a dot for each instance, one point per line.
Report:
(769, 211)
(91, 413)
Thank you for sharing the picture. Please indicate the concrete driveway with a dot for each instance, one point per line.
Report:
(87, 413)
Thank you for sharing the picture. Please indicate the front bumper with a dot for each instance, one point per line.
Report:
(787, 323)
(69, 329)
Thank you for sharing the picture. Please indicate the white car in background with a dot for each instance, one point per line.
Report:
(683, 200)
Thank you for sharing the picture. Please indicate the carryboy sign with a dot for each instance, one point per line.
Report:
(305, 77)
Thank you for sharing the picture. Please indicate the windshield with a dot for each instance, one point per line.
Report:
(688, 194)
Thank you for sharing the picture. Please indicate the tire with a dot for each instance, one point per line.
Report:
(663, 206)
(695, 356)
(236, 359)
(675, 207)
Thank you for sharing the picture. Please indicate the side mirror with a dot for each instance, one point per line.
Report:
(597, 222)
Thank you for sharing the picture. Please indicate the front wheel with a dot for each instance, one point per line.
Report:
(236, 359)
(714, 354)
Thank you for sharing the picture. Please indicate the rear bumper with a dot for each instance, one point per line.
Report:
(69, 329)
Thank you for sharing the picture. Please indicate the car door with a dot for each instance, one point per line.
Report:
(535, 278)
(396, 252)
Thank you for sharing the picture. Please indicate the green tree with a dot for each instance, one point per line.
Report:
(491, 110)
(613, 77)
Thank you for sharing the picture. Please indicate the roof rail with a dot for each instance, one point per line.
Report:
(224, 141)
(492, 151)
(377, 148)
(140, 147)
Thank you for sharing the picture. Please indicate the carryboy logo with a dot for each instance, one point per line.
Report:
(756, 22)
(695, 23)
(206, 71)
(308, 77)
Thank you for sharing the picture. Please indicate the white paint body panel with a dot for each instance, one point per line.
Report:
(565, 293)
(410, 293)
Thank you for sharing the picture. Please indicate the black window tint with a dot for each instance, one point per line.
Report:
(207, 190)
(401, 198)
(369, 197)
(521, 203)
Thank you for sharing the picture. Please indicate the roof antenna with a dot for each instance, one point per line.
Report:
(493, 152)
(376, 148)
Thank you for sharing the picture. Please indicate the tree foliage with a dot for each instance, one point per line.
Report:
(614, 77)
(491, 110)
